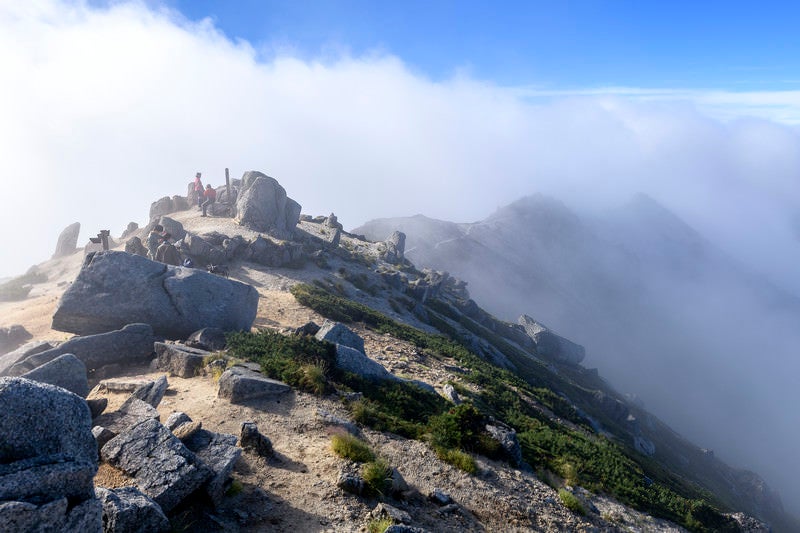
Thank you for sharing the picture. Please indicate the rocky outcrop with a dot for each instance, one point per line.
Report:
(395, 247)
(337, 333)
(166, 205)
(65, 371)
(211, 339)
(240, 384)
(350, 353)
(164, 469)
(179, 360)
(218, 451)
(134, 246)
(11, 358)
(48, 459)
(175, 301)
(551, 345)
(68, 240)
(130, 345)
(130, 229)
(152, 392)
(263, 206)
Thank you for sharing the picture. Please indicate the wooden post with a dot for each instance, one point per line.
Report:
(228, 185)
(104, 238)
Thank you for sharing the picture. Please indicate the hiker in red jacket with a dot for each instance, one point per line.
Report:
(198, 189)
(211, 196)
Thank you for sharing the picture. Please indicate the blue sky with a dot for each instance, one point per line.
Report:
(554, 44)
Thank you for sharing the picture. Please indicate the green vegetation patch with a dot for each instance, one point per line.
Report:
(351, 447)
(377, 477)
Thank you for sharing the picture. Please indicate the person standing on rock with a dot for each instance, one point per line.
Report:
(167, 253)
(198, 189)
(210, 196)
(153, 240)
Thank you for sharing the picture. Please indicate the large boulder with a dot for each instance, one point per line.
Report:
(164, 469)
(130, 345)
(352, 360)
(65, 371)
(48, 459)
(175, 301)
(338, 333)
(162, 206)
(240, 384)
(12, 336)
(68, 240)
(263, 206)
(551, 345)
(26, 350)
(179, 360)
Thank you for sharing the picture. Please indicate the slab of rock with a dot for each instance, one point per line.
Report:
(352, 360)
(56, 515)
(11, 358)
(65, 371)
(68, 240)
(130, 413)
(122, 384)
(211, 339)
(551, 345)
(176, 301)
(102, 435)
(179, 360)
(128, 510)
(164, 469)
(12, 336)
(263, 206)
(152, 392)
(130, 345)
(384, 510)
(220, 453)
(240, 384)
(338, 333)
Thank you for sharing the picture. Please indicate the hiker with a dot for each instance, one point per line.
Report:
(153, 239)
(210, 196)
(167, 253)
(198, 189)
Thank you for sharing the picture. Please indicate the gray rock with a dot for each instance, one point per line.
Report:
(252, 440)
(450, 394)
(122, 384)
(186, 431)
(48, 451)
(12, 336)
(395, 247)
(240, 384)
(352, 360)
(263, 206)
(440, 498)
(351, 483)
(176, 301)
(403, 528)
(179, 360)
(267, 252)
(551, 345)
(152, 392)
(309, 328)
(11, 358)
(102, 435)
(180, 203)
(128, 510)
(130, 413)
(211, 339)
(331, 420)
(65, 371)
(97, 406)
(337, 333)
(130, 345)
(507, 437)
(644, 446)
(176, 419)
(219, 452)
(135, 246)
(56, 515)
(170, 225)
(399, 484)
(130, 229)
(164, 469)
(384, 510)
(68, 240)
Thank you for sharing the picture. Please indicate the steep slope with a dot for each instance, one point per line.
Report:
(657, 307)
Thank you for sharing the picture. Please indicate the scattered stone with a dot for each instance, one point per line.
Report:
(68, 240)
(352, 483)
(332, 420)
(128, 510)
(240, 384)
(440, 498)
(384, 510)
(152, 392)
(337, 333)
(211, 339)
(309, 328)
(252, 440)
(450, 394)
(130, 345)
(218, 451)
(97, 406)
(164, 469)
(174, 300)
(65, 371)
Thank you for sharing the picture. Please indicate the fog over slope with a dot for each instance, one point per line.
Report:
(663, 313)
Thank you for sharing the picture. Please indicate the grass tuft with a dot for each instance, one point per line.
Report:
(349, 447)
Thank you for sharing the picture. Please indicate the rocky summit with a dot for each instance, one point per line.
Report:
(292, 376)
